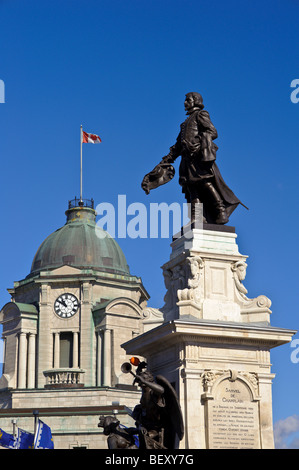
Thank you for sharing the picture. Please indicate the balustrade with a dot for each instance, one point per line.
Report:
(64, 378)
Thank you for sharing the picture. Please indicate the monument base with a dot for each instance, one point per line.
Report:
(213, 343)
(204, 278)
(221, 372)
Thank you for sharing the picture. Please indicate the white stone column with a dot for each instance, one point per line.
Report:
(45, 340)
(265, 410)
(22, 360)
(87, 336)
(107, 358)
(99, 358)
(191, 405)
(56, 350)
(31, 360)
(75, 350)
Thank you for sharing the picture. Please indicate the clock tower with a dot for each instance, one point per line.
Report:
(64, 327)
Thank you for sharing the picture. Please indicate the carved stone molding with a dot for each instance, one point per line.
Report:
(209, 377)
(252, 378)
(248, 305)
(193, 267)
(150, 313)
(173, 280)
(182, 282)
(239, 273)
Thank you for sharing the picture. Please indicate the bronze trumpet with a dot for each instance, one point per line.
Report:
(126, 368)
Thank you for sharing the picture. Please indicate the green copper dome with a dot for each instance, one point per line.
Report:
(82, 244)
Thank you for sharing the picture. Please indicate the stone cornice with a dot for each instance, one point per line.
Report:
(208, 332)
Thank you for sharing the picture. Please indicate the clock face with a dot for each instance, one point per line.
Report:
(66, 305)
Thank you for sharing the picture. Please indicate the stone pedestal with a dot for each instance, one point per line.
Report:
(204, 279)
(213, 343)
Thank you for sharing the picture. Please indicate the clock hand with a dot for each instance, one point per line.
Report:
(62, 302)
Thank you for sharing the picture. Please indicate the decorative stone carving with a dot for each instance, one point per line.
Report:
(193, 266)
(152, 317)
(174, 279)
(247, 305)
(209, 377)
(150, 312)
(252, 378)
(239, 273)
(183, 282)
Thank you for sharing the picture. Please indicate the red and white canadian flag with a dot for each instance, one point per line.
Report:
(90, 138)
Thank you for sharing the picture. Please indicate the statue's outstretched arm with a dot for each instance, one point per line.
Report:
(174, 152)
(157, 389)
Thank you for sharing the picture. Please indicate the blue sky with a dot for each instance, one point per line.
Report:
(121, 69)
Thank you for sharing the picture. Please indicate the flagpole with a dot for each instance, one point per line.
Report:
(81, 163)
(14, 427)
(35, 414)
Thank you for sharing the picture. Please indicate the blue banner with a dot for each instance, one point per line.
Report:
(43, 437)
(24, 440)
(7, 440)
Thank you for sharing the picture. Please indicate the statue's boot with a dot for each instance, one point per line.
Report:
(216, 200)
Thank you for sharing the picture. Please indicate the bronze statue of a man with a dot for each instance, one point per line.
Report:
(199, 175)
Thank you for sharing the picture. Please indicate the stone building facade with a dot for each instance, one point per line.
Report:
(63, 331)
